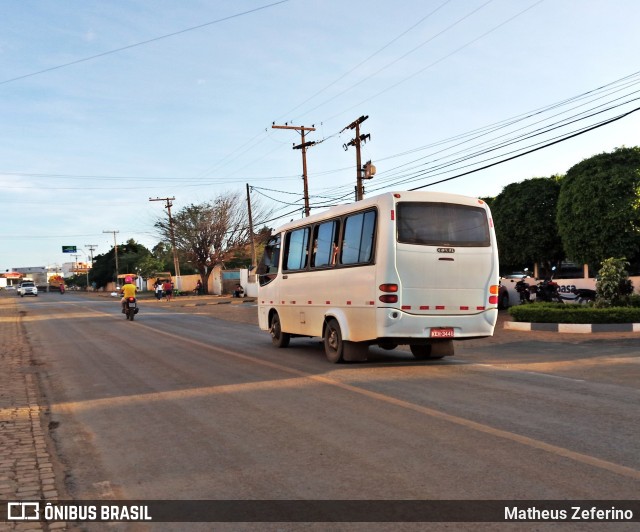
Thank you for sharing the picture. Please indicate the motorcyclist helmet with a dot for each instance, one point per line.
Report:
(128, 279)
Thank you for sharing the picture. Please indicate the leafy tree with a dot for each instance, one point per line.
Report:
(104, 265)
(210, 233)
(524, 216)
(599, 207)
(149, 265)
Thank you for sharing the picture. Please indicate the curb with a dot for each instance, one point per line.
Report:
(575, 328)
(223, 302)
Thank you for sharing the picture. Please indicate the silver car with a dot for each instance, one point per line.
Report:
(27, 288)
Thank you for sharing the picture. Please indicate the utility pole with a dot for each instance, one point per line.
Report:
(176, 262)
(356, 142)
(115, 247)
(75, 265)
(91, 248)
(253, 246)
(302, 146)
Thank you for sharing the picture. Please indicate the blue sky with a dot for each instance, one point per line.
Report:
(106, 104)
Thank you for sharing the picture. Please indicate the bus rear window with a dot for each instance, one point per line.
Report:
(442, 224)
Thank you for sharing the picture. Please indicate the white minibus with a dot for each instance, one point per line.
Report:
(401, 268)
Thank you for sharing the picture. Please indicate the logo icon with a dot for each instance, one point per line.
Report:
(446, 250)
(23, 511)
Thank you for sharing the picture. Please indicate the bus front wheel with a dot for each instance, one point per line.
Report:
(278, 338)
(333, 344)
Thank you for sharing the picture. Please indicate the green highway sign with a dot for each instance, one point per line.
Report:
(69, 249)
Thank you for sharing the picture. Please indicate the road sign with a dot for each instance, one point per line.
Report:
(69, 249)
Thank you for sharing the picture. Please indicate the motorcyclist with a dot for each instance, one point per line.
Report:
(128, 290)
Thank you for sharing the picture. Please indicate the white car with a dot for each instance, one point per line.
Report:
(27, 288)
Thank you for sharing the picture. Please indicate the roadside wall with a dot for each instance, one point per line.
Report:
(564, 284)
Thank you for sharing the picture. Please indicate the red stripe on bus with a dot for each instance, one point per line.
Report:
(327, 302)
(348, 302)
(424, 307)
(464, 308)
(439, 307)
(309, 303)
(406, 307)
(479, 308)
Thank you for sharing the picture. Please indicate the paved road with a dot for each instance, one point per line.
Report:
(193, 403)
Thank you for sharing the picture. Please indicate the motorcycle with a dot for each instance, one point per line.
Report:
(548, 290)
(130, 308)
(584, 295)
(524, 289)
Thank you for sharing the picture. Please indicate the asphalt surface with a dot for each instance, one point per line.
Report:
(192, 402)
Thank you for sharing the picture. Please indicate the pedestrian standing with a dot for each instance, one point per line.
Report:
(158, 289)
(167, 287)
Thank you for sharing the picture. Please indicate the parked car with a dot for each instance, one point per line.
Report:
(27, 288)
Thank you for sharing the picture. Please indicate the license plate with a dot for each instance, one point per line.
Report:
(132, 305)
(442, 332)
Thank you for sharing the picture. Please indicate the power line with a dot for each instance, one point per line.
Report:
(447, 56)
(604, 123)
(142, 43)
(352, 69)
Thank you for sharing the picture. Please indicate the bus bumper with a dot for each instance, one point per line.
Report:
(396, 324)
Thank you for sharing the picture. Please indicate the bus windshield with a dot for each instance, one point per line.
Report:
(442, 224)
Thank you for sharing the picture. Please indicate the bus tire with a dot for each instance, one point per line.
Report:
(434, 351)
(421, 351)
(278, 338)
(333, 344)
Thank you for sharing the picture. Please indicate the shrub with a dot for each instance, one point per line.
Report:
(561, 313)
(613, 287)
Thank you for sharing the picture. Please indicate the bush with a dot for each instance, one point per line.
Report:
(561, 313)
(634, 300)
(613, 287)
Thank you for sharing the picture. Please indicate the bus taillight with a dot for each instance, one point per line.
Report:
(388, 298)
(494, 290)
(388, 287)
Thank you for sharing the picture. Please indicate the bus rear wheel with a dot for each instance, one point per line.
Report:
(424, 352)
(278, 338)
(333, 344)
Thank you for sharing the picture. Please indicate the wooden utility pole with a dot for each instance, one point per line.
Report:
(91, 247)
(356, 142)
(115, 247)
(302, 146)
(253, 246)
(176, 262)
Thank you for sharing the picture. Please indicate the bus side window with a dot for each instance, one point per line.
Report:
(296, 251)
(357, 245)
(325, 237)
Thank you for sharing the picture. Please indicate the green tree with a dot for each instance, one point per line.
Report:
(129, 256)
(599, 207)
(524, 216)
